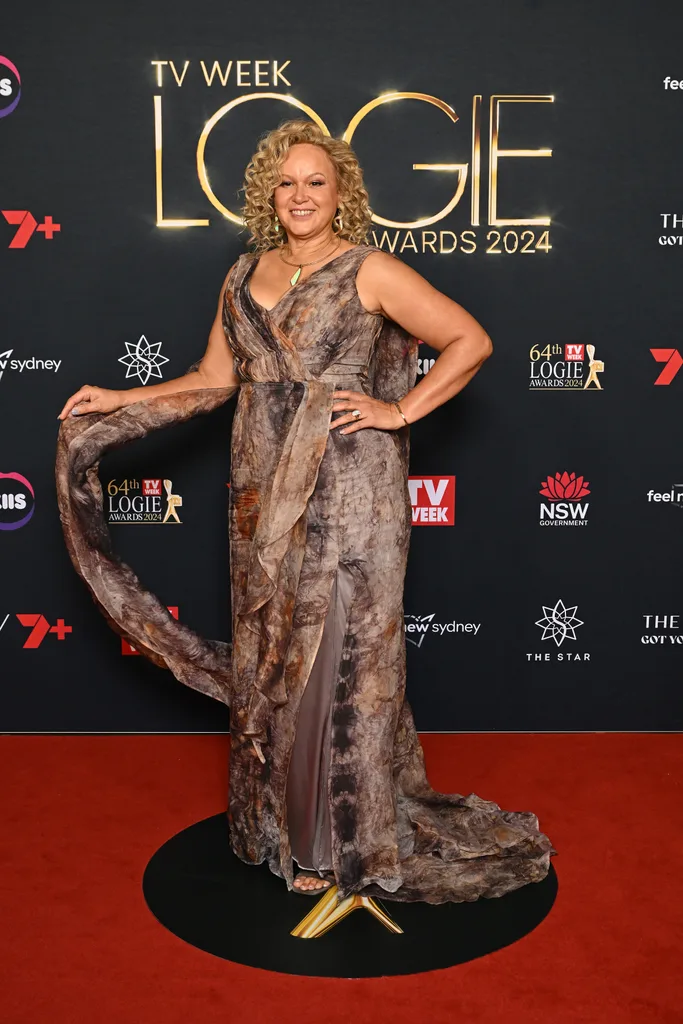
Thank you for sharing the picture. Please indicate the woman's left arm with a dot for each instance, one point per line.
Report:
(388, 286)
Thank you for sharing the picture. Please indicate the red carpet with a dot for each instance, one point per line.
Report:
(83, 814)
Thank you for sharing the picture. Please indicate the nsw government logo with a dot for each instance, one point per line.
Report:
(561, 367)
(418, 626)
(559, 624)
(564, 508)
(143, 502)
(433, 500)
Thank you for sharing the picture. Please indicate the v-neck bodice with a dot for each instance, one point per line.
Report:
(319, 327)
(300, 284)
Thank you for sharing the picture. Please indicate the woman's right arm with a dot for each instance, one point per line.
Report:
(214, 371)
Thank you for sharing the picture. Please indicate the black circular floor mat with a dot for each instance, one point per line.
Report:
(198, 889)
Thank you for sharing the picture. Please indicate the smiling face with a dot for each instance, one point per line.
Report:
(306, 199)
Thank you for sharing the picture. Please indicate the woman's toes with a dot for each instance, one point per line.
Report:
(308, 882)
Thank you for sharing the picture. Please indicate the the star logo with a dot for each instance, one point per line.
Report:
(143, 360)
(559, 623)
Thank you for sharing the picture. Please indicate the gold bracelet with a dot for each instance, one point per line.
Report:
(400, 410)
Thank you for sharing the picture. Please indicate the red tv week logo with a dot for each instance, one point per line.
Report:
(673, 360)
(574, 353)
(27, 225)
(40, 627)
(433, 500)
(127, 648)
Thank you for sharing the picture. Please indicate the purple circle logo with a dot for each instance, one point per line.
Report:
(14, 501)
(10, 87)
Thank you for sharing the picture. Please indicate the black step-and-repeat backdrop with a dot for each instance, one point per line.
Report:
(525, 156)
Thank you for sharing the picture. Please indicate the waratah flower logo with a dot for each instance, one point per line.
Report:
(564, 485)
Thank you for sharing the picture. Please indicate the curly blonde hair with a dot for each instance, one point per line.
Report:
(263, 175)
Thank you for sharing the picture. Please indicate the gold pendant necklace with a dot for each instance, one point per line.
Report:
(297, 273)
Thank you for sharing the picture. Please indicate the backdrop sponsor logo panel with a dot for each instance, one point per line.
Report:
(10, 86)
(506, 162)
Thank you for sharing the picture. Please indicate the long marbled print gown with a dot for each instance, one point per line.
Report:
(316, 671)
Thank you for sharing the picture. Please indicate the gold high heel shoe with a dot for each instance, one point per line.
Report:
(330, 910)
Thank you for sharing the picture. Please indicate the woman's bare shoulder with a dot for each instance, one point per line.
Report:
(384, 279)
(380, 265)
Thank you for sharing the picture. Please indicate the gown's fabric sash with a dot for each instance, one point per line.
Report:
(284, 503)
(291, 487)
(132, 611)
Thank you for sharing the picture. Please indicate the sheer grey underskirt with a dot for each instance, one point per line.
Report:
(308, 814)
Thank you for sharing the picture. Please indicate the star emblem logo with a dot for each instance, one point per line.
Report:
(559, 623)
(143, 360)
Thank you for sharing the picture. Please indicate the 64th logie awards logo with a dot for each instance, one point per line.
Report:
(142, 502)
(564, 367)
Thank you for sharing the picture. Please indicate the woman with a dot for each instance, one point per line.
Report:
(316, 330)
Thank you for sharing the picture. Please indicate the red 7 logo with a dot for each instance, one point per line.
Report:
(27, 225)
(673, 360)
(40, 627)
